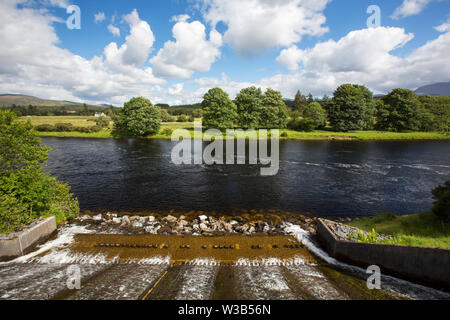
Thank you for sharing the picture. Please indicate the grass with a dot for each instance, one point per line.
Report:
(81, 121)
(422, 230)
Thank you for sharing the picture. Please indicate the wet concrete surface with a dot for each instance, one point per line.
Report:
(195, 273)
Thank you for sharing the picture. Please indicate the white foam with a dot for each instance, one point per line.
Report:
(410, 289)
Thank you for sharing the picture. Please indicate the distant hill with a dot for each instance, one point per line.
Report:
(7, 100)
(437, 89)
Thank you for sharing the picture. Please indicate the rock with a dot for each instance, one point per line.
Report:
(137, 224)
(151, 219)
(196, 227)
(252, 230)
(126, 220)
(117, 220)
(183, 223)
(266, 228)
(97, 217)
(204, 227)
(182, 217)
(171, 219)
(203, 218)
(228, 227)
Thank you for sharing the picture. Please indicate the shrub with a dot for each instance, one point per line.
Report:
(94, 129)
(45, 128)
(441, 206)
(26, 191)
(102, 122)
(13, 214)
(182, 118)
(165, 116)
(64, 127)
(301, 125)
(167, 132)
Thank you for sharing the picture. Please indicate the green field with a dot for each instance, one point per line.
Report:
(423, 230)
(81, 121)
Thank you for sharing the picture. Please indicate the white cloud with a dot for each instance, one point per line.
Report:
(114, 30)
(365, 57)
(257, 25)
(445, 27)
(410, 8)
(290, 58)
(190, 52)
(32, 63)
(99, 17)
(137, 47)
(180, 18)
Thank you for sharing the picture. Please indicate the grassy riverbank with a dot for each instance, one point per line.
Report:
(164, 133)
(422, 229)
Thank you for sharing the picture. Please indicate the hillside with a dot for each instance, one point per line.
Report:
(7, 100)
(436, 89)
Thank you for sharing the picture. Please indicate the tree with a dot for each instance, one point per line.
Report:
(26, 191)
(249, 103)
(441, 196)
(399, 112)
(316, 115)
(300, 102)
(85, 111)
(310, 98)
(219, 112)
(165, 116)
(138, 118)
(274, 113)
(348, 109)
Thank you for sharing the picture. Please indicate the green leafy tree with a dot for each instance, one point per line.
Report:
(441, 196)
(249, 103)
(316, 115)
(85, 111)
(439, 107)
(300, 102)
(219, 112)
(348, 109)
(310, 98)
(165, 116)
(102, 122)
(399, 112)
(26, 191)
(274, 113)
(138, 118)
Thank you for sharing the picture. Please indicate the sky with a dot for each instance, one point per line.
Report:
(174, 51)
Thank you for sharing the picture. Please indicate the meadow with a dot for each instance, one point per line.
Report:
(167, 127)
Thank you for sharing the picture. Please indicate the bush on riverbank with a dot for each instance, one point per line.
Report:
(67, 127)
(26, 191)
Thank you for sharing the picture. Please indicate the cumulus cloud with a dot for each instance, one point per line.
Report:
(410, 8)
(365, 56)
(32, 63)
(99, 17)
(137, 47)
(257, 25)
(445, 27)
(190, 52)
(290, 57)
(114, 30)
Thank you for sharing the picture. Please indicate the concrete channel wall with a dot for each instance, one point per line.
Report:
(17, 244)
(429, 266)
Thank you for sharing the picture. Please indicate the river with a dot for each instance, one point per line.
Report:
(325, 178)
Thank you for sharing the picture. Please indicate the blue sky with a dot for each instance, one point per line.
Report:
(173, 51)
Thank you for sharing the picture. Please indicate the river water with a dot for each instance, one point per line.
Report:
(326, 178)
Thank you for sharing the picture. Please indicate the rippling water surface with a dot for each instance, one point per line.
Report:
(322, 177)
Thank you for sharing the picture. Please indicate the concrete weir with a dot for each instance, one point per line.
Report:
(17, 244)
(430, 266)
